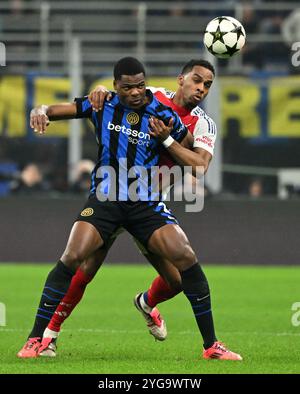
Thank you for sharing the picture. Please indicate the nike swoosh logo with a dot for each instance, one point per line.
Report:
(200, 299)
(48, 305)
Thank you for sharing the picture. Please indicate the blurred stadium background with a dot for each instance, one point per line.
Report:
(56, 50)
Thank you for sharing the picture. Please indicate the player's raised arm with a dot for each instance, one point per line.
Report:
(41, 116)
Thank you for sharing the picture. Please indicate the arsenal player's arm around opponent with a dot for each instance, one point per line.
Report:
(89, 234)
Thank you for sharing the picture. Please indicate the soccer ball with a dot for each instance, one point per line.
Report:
(224, 36)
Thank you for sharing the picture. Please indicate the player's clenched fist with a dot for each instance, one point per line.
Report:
(39, 119)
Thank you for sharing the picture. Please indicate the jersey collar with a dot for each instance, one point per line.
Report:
(180, 110)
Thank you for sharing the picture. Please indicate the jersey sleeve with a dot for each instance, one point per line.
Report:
(84, 107)
(205, 134)
(179, 129)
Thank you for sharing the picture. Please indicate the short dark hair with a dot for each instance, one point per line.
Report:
(128, 66)
(200, 62)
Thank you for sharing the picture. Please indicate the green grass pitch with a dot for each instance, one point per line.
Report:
(252, 311)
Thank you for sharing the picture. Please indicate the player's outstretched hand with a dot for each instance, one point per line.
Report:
(39, 119)
(98, 96)
(159, 130)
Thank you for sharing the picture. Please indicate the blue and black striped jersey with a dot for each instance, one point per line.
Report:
(124, 143)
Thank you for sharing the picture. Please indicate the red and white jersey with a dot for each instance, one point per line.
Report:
(199, 124)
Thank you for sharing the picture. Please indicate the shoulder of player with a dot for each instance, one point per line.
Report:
(113, 101)
(86, 98)
(204, 122)
(161, 107)
(165, 92)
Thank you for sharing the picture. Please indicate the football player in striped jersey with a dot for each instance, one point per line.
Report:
(194, 83)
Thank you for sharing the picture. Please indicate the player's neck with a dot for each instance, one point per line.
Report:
(179, 101)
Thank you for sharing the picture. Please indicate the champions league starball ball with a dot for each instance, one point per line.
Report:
(224, 36)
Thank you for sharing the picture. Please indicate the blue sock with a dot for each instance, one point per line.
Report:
(56, 286)
(196, 289)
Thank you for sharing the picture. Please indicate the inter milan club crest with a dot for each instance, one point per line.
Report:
(87, 212)
(132, 118)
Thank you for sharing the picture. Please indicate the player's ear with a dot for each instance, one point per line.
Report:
(180, 79)
(115, 84)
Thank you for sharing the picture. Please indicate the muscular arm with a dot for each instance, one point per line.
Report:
(41, 116)
(187, 157)
(61, 111)
(183, 153)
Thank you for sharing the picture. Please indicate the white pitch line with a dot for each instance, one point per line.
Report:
(102, 331)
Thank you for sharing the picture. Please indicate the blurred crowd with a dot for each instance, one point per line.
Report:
(43, 170)
(41, 167)
(37, 179)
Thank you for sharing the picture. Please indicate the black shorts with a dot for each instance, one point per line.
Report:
(139, 218)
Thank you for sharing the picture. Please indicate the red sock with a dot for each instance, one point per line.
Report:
(159, 291)
(70, 300)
